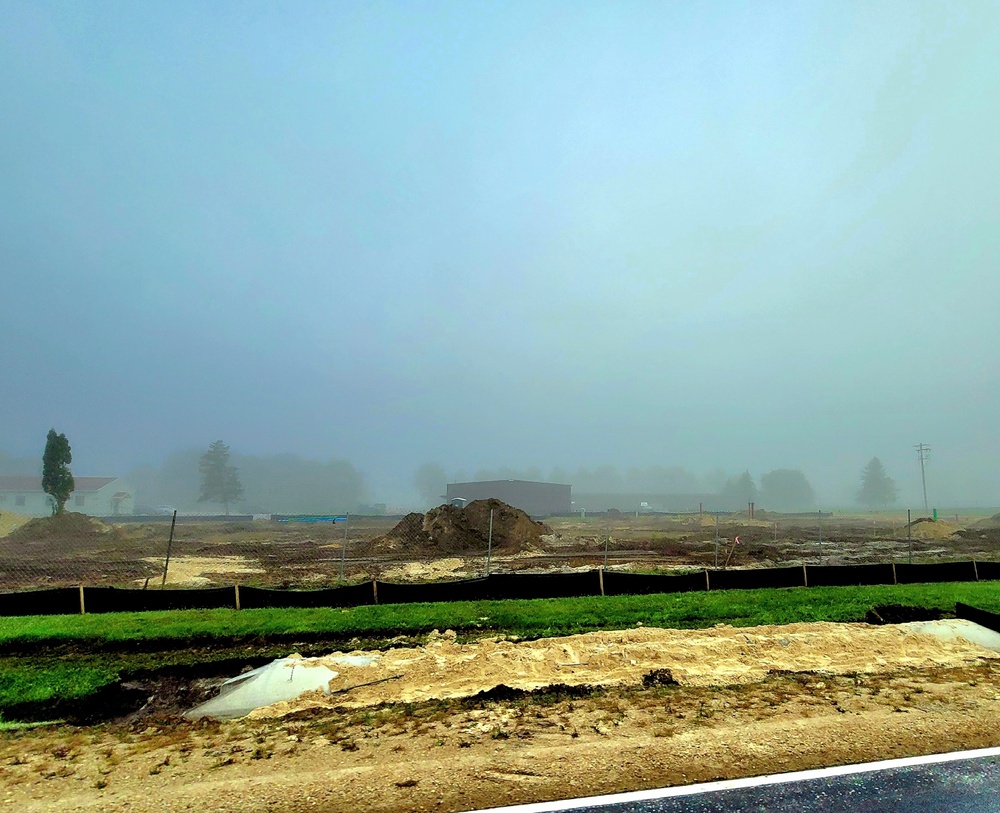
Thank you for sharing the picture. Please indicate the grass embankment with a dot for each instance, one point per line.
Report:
(47, 662)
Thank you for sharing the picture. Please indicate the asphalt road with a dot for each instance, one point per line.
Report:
(967, 782)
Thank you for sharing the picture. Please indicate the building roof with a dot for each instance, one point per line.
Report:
(35, 483)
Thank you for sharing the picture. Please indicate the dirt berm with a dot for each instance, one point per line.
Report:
(68, 527)
(448, 529)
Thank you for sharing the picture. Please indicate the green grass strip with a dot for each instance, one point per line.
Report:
(40, 682)
(527, 618)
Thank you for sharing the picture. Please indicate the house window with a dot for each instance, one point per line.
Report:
(79, 499)
(19, 501)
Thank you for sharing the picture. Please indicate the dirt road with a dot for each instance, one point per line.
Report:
(877, 693)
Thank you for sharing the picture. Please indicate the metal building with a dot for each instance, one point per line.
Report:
(535, 499)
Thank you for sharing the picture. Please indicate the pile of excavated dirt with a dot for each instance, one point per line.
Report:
(938, 530)
(10, 522)
(449, 529)
(722, 656)
(66, 527)
(989, 522)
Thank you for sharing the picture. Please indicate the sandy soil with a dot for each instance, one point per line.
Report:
(746, 704)
(722, 656)
(11, 522)
(447, 568)
(195, 571)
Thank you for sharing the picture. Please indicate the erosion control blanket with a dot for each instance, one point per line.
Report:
(719, 656)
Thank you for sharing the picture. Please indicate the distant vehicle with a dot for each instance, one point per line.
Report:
(168, 510)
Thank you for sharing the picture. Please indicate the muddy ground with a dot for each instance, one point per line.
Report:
(789, 698)
(316, 555)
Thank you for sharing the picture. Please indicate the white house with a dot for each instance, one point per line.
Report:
(96, 496)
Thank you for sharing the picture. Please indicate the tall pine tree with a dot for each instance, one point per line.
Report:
(219, 481)
(878, 489)
(57, 480)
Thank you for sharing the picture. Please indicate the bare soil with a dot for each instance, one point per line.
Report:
(452, 543)
(680, 707)
(449, 529)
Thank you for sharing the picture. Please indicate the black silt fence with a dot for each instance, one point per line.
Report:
(643, 584)
(982, 617)
(119, 600)
(542, 585)
(988, 571)
(756, 579)
(848, 575)
(464, 590)
(354, 595)
(55, 601)
(937, 572)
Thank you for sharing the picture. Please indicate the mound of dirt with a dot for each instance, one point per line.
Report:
(449, 529)
(721, 656)
(989, 522)
(10, 522)
(66, 527)
(933, 530)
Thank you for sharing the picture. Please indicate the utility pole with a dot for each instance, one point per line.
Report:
(923, 453)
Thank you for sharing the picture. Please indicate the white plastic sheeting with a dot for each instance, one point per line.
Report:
(283, 679)
(958, 628)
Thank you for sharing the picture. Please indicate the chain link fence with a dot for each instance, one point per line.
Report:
(321, 552)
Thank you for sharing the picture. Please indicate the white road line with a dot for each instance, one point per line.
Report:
(748, 782)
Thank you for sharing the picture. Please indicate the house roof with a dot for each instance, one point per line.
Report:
(35, 483)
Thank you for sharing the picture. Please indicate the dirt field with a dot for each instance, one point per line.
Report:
(81, 550)
(458, 733)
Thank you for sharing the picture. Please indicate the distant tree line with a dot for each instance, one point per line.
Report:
(250, 484)
(783, 490)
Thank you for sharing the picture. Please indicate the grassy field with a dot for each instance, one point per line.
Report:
(50, 663)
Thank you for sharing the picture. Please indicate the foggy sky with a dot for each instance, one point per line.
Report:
(728, 235)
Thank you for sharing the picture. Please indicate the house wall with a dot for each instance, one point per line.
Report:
(26, 503)
(102, 503)
(99, 503)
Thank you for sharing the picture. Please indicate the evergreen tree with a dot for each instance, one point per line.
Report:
(57, 480)
(786, 490)
(219, 481)
(877, 487)
(739, 491)
(431, 483)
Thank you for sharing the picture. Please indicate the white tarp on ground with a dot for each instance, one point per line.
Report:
(958, 628)
(283, 679)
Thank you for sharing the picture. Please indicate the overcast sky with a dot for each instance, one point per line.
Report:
(737, 235)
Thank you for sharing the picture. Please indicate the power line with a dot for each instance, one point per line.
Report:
(923, 453)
